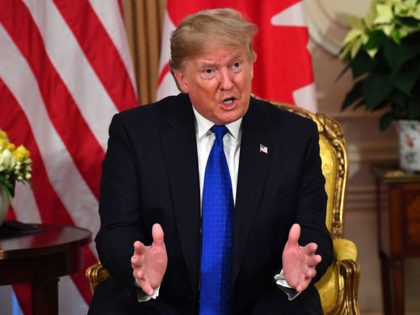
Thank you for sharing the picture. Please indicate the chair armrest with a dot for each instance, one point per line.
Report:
(345, 252)
(95, 275)
(344, 249)
(338, 288)
(350, 271)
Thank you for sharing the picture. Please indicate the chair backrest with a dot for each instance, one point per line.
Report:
(338, 288)
(334, 164)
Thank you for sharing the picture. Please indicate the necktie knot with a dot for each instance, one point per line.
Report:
(219, 131)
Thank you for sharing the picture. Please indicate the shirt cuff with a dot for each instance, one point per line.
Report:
(143, 297)
(285, 287)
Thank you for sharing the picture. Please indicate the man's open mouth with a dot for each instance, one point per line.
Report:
(228, 101)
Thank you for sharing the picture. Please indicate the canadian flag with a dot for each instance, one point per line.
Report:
(283, 70)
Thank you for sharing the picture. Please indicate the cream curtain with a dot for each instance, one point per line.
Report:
(144, 21)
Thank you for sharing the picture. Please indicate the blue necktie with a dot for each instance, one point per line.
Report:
(217, 226)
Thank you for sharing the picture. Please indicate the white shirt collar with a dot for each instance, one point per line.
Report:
(203, 125)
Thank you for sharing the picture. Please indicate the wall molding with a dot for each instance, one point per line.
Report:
(361, 198)
(373, 152)
(355, 115)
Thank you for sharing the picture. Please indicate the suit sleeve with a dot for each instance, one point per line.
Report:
(312, 202)
(119, 205)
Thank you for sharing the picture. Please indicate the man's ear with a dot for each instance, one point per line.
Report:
(181, 81)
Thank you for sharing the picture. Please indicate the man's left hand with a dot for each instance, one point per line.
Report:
(299, 262)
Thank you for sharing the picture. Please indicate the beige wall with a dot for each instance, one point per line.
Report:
(328, 20)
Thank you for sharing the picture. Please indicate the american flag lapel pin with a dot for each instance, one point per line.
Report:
(263, 149)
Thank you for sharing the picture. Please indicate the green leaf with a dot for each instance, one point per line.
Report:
(398, 55)
(410, 22)
(385, 121)
(376, 88)
(342, 72)
(399, 98)
(361, 64)
(396, 36)
(406, 78)
(352, 96)
(8, 184)
(414, 109)
(376, 40)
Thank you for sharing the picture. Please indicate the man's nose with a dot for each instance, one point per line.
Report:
(226, 79)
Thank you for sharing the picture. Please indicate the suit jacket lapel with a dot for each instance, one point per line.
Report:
(180, 150)
(253, 168)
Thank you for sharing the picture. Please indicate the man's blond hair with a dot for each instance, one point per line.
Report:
(208, 30)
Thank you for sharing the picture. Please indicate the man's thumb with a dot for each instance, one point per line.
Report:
(157, 233)
(294, 233)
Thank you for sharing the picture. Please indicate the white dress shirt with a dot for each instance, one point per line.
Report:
(231, 145)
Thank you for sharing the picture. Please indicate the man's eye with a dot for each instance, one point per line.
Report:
(208, 73)
(236, 66)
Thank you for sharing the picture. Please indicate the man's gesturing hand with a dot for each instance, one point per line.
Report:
(299, 262)
(149, 262)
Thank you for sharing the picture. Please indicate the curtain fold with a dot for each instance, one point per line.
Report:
(144, 20)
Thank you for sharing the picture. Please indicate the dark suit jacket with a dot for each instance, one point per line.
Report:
(150, 174)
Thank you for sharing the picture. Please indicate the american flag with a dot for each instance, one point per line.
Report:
(263, 149)
(283, 69)
(65, 69)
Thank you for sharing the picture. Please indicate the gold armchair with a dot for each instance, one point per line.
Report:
(95, 275)
(338, 288)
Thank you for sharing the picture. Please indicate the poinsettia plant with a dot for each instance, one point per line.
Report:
(15, 164)
(382, 50)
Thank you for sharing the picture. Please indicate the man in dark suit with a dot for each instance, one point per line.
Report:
(152, 187)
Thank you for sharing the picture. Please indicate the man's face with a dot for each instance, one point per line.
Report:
(218, 83)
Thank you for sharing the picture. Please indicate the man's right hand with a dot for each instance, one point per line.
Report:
(149, 262)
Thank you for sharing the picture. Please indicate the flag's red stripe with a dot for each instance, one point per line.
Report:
(121, 6)
(79, 277)
(51, 208)
(24, 295)
(62, 109)
(10, 214)
(99, 50)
